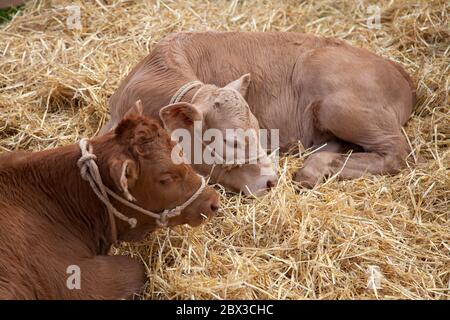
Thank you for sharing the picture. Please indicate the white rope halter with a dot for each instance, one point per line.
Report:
(234, 162)
(183, 90)
(89, 172)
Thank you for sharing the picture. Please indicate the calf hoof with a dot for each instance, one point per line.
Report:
(306, 179)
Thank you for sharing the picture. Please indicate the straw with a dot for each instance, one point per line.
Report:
(292, 243)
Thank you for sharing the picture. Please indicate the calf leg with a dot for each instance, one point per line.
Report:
(7, 294)
(108, 277)
(378, 133)
(326, 164)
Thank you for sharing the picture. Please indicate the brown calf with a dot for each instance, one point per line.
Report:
(314, 90)
(51, 220)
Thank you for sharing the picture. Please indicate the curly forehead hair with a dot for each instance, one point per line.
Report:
(233, 104)
(140, 129)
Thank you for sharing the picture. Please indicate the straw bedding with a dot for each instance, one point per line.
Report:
(292, 243)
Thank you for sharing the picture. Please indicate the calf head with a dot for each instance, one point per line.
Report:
(135, 161)
(226, 111)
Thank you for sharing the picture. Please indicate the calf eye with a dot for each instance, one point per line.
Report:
(166, 179)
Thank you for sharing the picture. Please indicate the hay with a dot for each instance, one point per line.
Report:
(295, 244)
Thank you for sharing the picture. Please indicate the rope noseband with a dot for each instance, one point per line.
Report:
(89, 171)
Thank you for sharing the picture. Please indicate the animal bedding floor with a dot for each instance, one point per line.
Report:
(374, 237)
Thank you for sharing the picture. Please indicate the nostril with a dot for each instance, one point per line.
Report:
(214, 207)
(271, 183)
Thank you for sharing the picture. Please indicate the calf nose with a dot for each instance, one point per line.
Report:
(271, 183)
(214, 207)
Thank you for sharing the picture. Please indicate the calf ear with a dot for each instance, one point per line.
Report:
(124, 174)
(136, 110)
(127, 123)
(241, 84)
(179, 115)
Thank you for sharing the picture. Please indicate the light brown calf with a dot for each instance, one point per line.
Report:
(314, 90)
(50, 218)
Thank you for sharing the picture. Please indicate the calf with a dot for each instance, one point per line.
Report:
(321, 92)
(52, 222)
